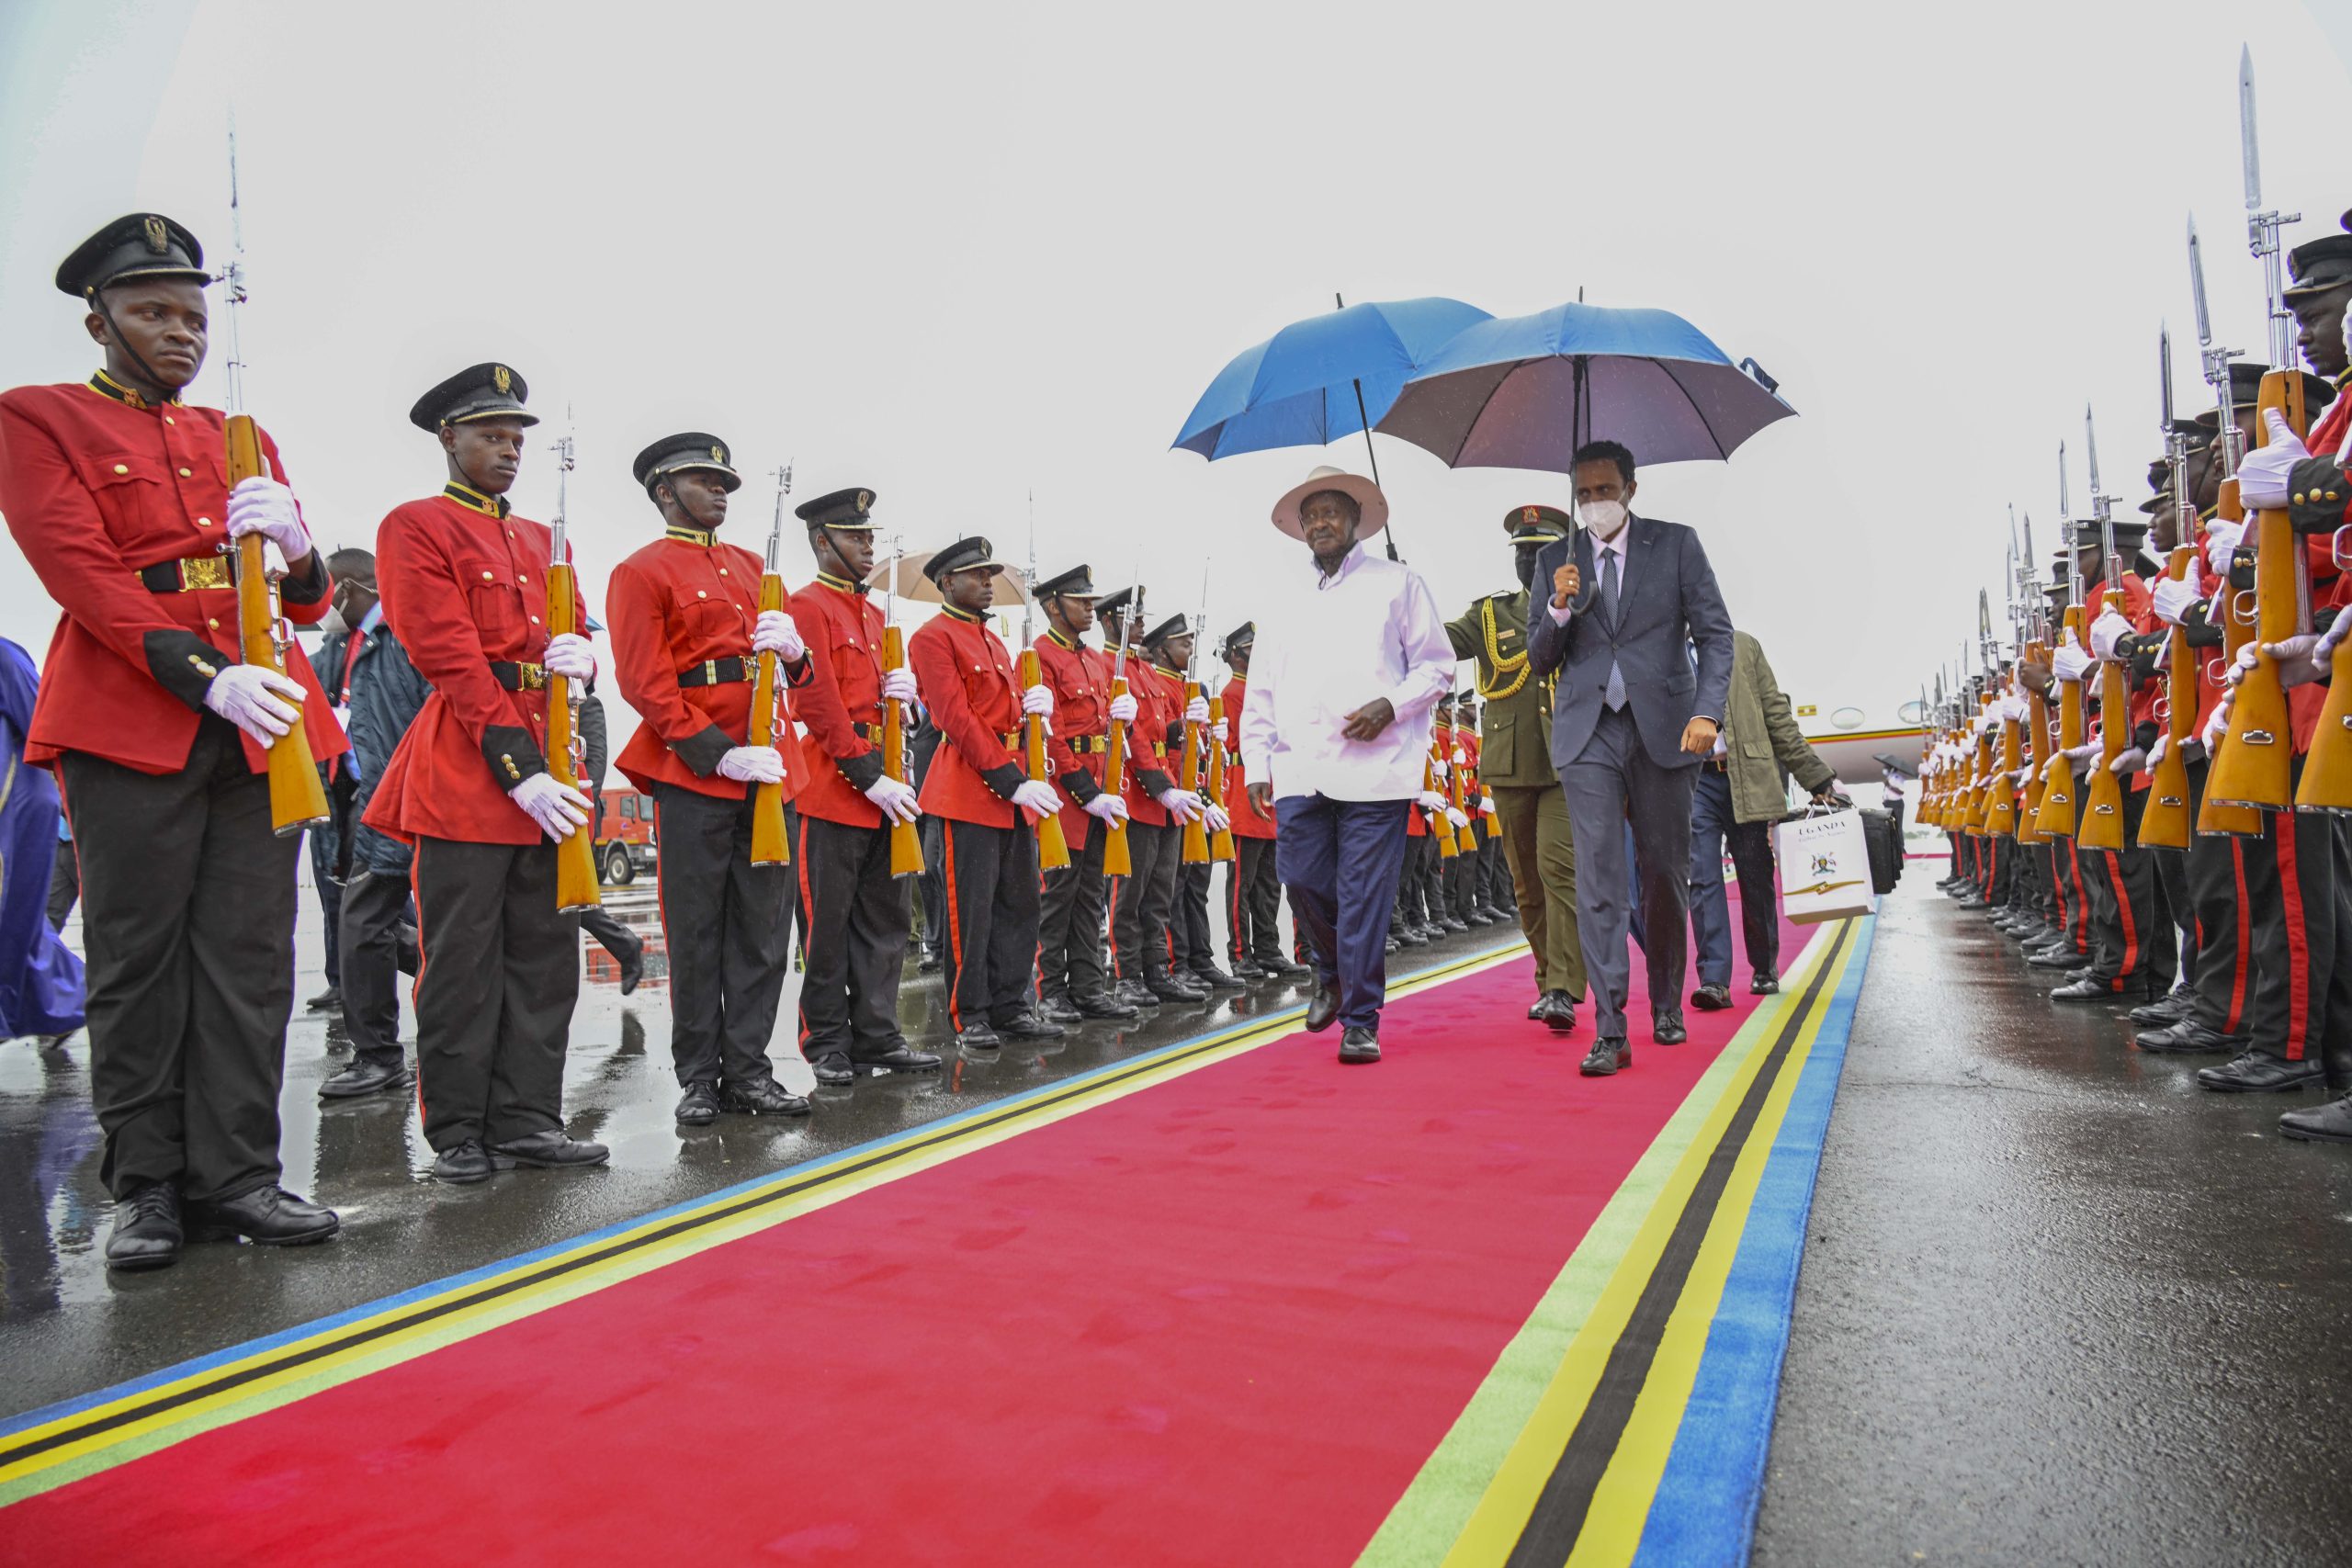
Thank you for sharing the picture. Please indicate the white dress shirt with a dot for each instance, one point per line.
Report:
(1331, 645)
(1601, 553)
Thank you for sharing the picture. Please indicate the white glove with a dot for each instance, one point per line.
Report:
(2013, 708)
(2324, 649)
(2069, 662)
(558, 809)
(571, 655)
(2173, 599)
(899, 686)
(265, 507)
(752, 764)
(2130, 760)
(1038, 699)
(2243, 664)
(776, 632)
(2221, 538)
(1218, 820)
(1182, 804)
(1106, 808)
(2050, 769)
(1461, 758)
(2219, 725)
(896, 798)
(1122, 708)
(2105, 630)
(2299, 660)
(1486, 805)
(248, 697)
(2156, 753)
(1431, 801)
(1459, 818)
(1197, 711)
(2262, 478)
(2080, 754)
(1037, 796)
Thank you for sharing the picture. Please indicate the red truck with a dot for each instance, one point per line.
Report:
(623, 836)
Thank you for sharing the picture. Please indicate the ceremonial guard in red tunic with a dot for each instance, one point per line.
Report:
(118, 493)
(1253, 894)
(987, 805)
(687, 634)
(1072, 980)
(856, 909)
(465, 587)
(1143, 903)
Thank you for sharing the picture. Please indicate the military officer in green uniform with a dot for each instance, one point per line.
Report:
(1515, 765)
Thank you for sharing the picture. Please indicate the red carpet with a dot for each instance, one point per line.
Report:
(1220, 1321)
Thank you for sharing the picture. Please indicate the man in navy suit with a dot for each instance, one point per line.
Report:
(1632, 712)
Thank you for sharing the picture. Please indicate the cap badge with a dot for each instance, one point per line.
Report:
(1529, 515)
(158, 238)
(502, 378)
(864, 500)
(719, 454)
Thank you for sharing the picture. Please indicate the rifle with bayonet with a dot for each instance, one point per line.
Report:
(2103, 828)
(2000, 799)
(1053, 850)
(2060, 808)
(575, 857)
(1196, 850)
(2228, 450)
(298, 797)
(2164, 821)
(905, 841)
(770, 845)
(1117, 860)
(2034, 651)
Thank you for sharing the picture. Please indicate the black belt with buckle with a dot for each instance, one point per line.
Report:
(1720, 764)
(725, 671)
(188, 575)
(519, 677)
(1088, 745)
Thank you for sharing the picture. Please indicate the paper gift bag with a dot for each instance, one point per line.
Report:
(1825, 867)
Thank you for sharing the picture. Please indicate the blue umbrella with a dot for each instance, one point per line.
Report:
(1321, 379)
(1526, 391)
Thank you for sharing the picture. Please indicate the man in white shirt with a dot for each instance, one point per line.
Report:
(1333, 733)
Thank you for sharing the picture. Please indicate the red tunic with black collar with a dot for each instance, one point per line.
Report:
(1080, 678)
(966, 677)
(465, 588)
(686, 605)
(1247, 822)
(121, 508)
(841, 704)
(1155, 738)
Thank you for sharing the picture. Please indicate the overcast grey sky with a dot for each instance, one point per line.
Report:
(960, 253)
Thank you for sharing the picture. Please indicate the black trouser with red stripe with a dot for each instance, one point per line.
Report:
(988, 878)
(2074, 920)
(2291, 914)
(1253, 902)
(727, 923)
(1192, 946)
(1142, 901)
(1070, 925)
(2214, 869)
(494, 997)
(856, 931)
(2132, 936)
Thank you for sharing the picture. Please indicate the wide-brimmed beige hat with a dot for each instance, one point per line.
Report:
(1367, 495)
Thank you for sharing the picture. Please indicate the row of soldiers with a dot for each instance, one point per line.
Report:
(161, 727)
(2145, 786)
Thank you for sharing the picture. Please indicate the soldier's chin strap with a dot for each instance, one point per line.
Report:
(97, 299)
(841, 560)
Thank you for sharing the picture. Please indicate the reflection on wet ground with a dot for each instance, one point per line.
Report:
(67, 1327)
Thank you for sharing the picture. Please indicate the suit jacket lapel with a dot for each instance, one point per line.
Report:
(1634, 569)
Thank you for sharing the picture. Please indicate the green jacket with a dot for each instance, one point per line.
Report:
(1515, 723)
(1761, 740)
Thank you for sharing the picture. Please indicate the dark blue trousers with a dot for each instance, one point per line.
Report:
(1341, 859)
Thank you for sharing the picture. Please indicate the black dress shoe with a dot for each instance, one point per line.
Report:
(1322, 1009)
(270, 1216)
(468, 1161)
(929, 964)
(1359, 1045)
(978, 1037)
(1666, 1027)
(2329, 1124)
(1176, 989)
(1605, 1057)
(1248, 972)
(1027, 1024)
(1136, 994)
(632, 966)
(1280, 968)
(146, 1232)
(326, 1000)
(1712, 998)
(901, 1057)
(1973, 901)
(364, 1076)
(1058, 1009)
(1101, 1004)
(2168, 1009)
(2084, 991)
(1540, 1008)
(1495, 916)
(2061, 957)
(763, 1097)
(833, 1067)
(1453, 923)
(1561, 1019)
(1215, 978)
(1410, 936)
(2188, 1038)
(1477, 917)
(549, 1149)
(698, 1107)
(2257, 1072)
(1392, 946)
(1764, 982)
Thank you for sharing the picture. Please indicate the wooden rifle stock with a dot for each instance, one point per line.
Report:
(906, 843)
(1195, 850)
(575, 857)
(2036, 749)
(1221, 842)
(2061, 812)
(1440, 824)
(2214, 816)
(2001, 800)
(297, 798)
(1116, 860)
(2165, 823)
(769, 844)
(2256, 764)
(2102, 823)
(1053, 850)
(1465, 840)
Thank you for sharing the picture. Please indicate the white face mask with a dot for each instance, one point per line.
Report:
(333, 622)
(1603, 517)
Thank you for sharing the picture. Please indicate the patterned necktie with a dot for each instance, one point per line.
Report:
(1615, 695)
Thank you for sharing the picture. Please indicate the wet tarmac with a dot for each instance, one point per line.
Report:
(2058, 1304)
(68, 1328)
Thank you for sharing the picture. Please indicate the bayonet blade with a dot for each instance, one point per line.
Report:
(2164, 376)
(2065, 506)
(2246, 136)
(2090, 454)
(2196, 287)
